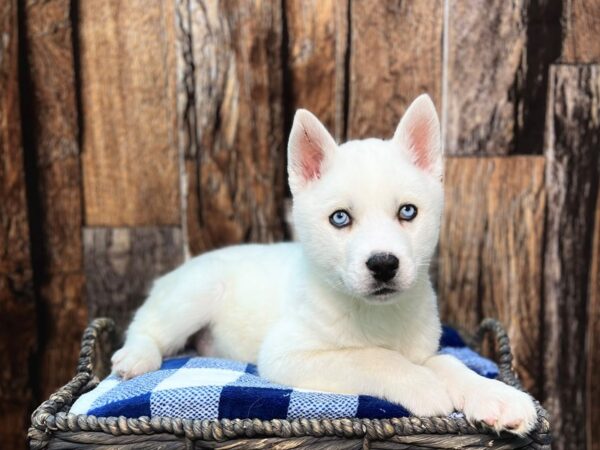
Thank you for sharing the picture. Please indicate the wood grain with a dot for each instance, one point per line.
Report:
(395, 55)
(497, 75)
(593, 342)
(491, 246)
(484, 58)
(230, 120)
(128, 98)
(317, 33)
(544, 32)
(52, 147)
(17, 302)
(582, 28)
(121, 263)
(573, 170)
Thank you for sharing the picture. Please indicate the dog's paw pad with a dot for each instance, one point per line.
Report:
(514, 425)
(490, 421)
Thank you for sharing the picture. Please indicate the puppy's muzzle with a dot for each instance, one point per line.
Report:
(383, 266)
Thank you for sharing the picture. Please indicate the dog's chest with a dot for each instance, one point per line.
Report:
(413, 335)
(413, 332)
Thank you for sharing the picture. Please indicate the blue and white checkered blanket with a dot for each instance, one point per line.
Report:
(210, 388)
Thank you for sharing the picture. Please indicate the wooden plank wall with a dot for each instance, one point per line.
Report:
(572, 144)
(505, 109)
(316, 55)
(491, 246)
(572, 175)
(383, 81)
(52, 150)
(17, 302)
(130, 158)
(592, 398)
(128, 113)
(234, 165)
(135, 134)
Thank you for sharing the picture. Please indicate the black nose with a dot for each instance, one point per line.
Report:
(383, 266)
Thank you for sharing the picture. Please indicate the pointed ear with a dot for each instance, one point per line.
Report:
(308, 148)
(419, 133)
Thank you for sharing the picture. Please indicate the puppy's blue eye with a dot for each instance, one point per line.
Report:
(340, 219)
(407, 212)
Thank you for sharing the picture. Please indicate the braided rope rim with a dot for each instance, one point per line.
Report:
(52, 415)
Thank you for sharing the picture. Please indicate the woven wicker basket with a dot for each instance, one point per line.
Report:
(53, 427)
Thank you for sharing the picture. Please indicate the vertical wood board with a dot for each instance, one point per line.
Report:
(17, 303)
(234, 147)
(128, 98)
(51, 141)
(317, 33)
(491, 249)
(581, 41)
(572, 173)
(395, 55)
(593, 342)
(497, 75)
(485, 51)
(544, 33)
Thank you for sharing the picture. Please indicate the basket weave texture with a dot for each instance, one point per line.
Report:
(53, 427)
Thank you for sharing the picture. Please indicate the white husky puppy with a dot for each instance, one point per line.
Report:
(348, 309)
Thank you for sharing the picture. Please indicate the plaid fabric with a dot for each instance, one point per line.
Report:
(209, 388)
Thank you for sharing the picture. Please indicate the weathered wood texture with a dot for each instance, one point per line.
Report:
(481, 101)
(121, 263)
(230, 119)
(52, 149)
(573, 170)
(593, 342)
(17, 303)
(496, 74)
(581, 43)
(542, 48)
(395, 55)
(491, 246)
(128, 98)
(317, 46)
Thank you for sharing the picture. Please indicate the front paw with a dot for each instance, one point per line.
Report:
(500, 406)
(136, 358)
(424, 395)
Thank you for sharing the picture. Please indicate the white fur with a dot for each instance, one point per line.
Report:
(307, 312)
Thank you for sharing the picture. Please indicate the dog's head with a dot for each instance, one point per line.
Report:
(368, 212)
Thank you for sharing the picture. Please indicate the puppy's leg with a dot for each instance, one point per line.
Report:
(373, 371)
(491, 401)
(179, 304)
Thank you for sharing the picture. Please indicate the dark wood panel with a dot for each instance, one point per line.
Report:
(52, 145)
(128, 98)
(593, 342)
(581, 43)
(544, 32)
(491, 248)
(395, 55)
(121, 263)
(317, 46)
(573, 170)
(17, 303)
(231, 121)
(52, 130)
